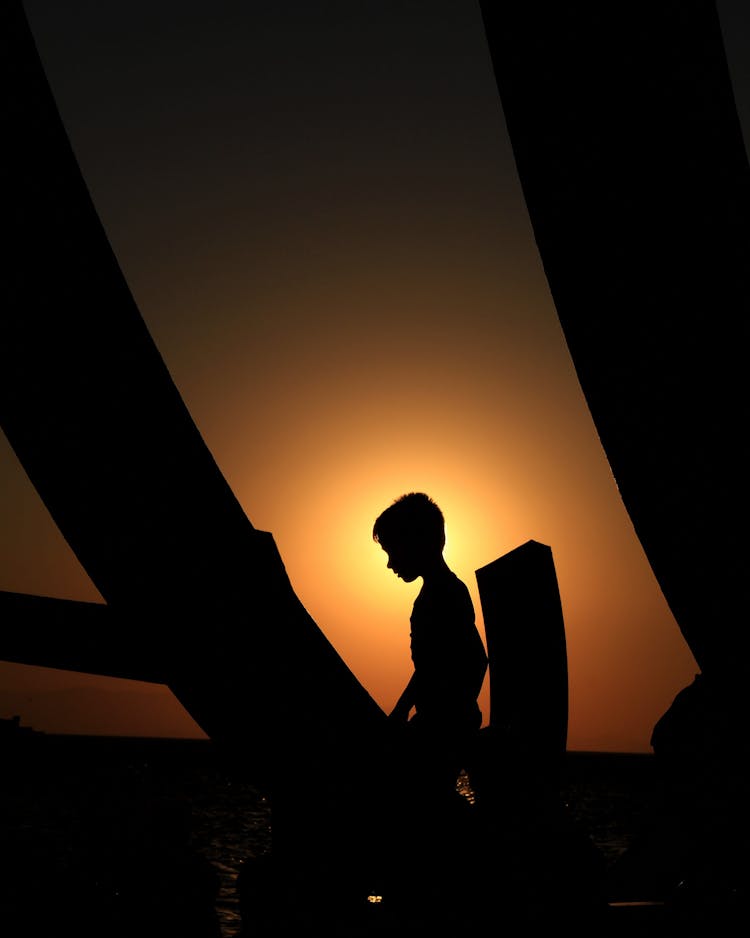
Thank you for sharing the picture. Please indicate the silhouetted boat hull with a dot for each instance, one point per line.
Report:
(93, 415)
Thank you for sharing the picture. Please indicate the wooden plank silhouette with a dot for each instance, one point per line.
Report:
(71, 636)
(97, 423)
(630, 154)
(519, 757)
(526, 647)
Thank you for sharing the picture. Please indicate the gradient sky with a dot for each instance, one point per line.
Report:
(316, 207)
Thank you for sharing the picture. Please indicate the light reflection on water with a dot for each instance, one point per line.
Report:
(463, 787)
(55, 799)
(232, 822)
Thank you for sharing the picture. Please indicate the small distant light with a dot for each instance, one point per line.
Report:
(374, 898)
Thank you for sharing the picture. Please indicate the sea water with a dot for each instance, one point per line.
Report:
(66, 800)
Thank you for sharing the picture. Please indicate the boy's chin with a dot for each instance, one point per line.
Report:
(407, 577)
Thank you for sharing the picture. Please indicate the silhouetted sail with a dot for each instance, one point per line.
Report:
(631, 158)
(97, 423)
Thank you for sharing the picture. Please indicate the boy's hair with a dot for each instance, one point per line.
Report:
(412, 517)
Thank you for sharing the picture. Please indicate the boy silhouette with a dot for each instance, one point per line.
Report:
(446, 649)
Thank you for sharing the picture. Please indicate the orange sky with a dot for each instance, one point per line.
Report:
(333, 256)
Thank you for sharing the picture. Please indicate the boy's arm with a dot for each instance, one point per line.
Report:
(404, 703)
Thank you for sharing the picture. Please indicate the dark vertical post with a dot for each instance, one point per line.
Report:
(527, 651)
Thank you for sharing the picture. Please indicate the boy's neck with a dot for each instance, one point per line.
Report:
(434, 569)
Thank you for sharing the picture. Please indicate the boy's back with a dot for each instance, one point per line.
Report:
(448, 654)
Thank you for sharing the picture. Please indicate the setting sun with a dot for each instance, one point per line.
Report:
(352, 307)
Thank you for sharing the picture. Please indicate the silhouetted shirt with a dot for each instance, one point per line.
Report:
(448, 654)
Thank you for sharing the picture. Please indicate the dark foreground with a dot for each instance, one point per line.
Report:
(119, 837)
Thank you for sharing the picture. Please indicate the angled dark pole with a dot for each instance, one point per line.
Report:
(631, 158)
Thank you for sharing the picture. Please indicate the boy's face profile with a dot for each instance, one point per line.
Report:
(411, 532)
(404, 560)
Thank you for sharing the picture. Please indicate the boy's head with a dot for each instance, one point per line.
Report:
(412, 532)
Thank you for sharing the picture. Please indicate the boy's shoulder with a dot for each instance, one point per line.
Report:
(446, 592)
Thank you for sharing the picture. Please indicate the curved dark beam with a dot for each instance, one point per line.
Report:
(97, 423)
(630, 154)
